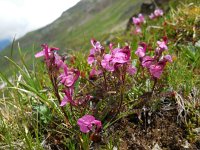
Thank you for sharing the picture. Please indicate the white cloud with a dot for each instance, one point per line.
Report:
(17, 17)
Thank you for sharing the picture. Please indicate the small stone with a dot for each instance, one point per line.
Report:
(197, 44)
(186, 145)
(196, 130)
(156, 147)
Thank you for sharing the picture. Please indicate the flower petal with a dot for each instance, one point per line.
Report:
(39, 54)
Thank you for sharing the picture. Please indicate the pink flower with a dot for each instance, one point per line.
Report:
(118, 58)
(121, 56)
(138, 30)
(96, 45)
(87, 122)
(141, 17)
(147, 61)
(91, 59)
(156, 70)
(111, 46)
(158, 12)
(97, 49)
(139, 20)
(107, 63)
(69, 77)
(136, 21)
(167, 58)
(46, 51)
(68, 97)
(141, 51)
(161, 47)
(58, 61)
(152, 16)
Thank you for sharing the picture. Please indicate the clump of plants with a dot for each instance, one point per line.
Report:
(95, 103)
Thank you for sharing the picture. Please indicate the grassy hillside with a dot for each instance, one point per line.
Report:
(75, 27)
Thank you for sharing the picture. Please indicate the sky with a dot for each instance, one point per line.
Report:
(17, 17)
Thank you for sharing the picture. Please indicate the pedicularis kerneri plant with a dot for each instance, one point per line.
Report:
(154, 64)
(100, 100)
(117, 61)
(138, 21)
(108, 77)
(157, 13)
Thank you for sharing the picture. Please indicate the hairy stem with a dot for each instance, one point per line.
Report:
(105, 82)
(154, 85)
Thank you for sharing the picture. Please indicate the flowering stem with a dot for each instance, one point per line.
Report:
(121, 92)
(105, 82)
(56, 93)
(154, 85)
(121, 97)
(120, 103)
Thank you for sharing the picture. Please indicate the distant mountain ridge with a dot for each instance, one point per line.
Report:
(74, 28)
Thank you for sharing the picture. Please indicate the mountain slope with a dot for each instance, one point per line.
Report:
(74, 28)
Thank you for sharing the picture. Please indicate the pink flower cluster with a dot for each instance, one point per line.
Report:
(157, 13)
(117, 59)
(87, 122)
(138, 21)
(157, 63)
(46, 52)
(96, 51)
(50, 55)
(67, 78)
